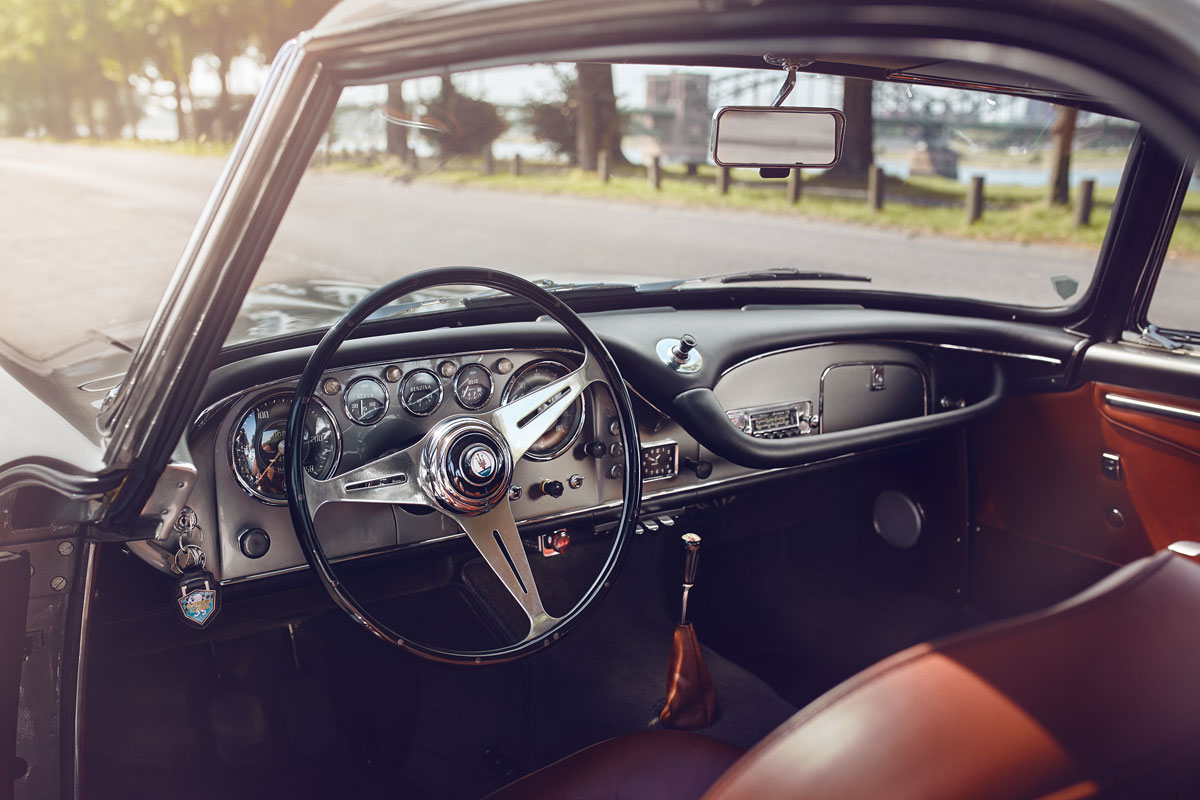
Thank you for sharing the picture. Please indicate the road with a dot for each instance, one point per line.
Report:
(90, 236)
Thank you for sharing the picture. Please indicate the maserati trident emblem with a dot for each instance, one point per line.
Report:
(481, 463)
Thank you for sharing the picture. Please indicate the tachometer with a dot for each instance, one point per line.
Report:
(421, 392)
(473, 386)
(563, 433)
(257, 447)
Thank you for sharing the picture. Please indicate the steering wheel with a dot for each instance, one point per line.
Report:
(463, 467)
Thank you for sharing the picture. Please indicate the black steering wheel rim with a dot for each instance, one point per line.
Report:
(306, 388)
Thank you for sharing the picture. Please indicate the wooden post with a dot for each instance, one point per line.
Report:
(875, 188)
(975, 200)
(655, 173)
(489, 161)
(515, 166)
(722, 180)
(794, 185)
(602, 166)
(1083, 204)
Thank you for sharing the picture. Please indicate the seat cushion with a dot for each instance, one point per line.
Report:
(1095, 696)
(664, 765)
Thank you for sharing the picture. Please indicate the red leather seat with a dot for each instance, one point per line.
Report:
(1099, 695)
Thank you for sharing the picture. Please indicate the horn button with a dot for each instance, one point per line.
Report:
(466, 466)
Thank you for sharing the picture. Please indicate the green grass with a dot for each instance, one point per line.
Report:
(920, 205)
(191, 148)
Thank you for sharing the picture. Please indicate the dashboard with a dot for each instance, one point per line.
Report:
(764, 412)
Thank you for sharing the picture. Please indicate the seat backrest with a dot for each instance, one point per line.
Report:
(1099, 695)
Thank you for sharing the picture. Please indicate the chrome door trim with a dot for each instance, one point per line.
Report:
(1157, 409)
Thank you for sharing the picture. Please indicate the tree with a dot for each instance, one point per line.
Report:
(597, 119)
(467, 124)
(1060, 161)
(858, 146)
(581, 116)
(397, 135)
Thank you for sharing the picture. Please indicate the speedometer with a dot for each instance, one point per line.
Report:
(257, 448)
(565, 431)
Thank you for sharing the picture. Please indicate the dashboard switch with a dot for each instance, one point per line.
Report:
(596, 449)
(616, 471)
(575, 481)
(552, 488)
(702, 468)
(254, 542)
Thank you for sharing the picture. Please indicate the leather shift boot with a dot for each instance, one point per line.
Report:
(691, 697)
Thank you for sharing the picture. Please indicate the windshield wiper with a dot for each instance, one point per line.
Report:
(788, 274)
(760, 275)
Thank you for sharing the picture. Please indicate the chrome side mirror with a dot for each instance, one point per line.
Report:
(770, 136)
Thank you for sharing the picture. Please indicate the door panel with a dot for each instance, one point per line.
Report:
(1160, 456)
(1043, 498)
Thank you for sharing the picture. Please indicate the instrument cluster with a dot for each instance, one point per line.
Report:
(397, 399)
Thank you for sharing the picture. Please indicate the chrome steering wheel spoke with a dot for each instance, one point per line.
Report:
(525, 420)
(495, 536)
(392, 478)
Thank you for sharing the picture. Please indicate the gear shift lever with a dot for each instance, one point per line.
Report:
(691, 555)
(691, 697)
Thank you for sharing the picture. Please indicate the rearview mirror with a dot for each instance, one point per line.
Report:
(767, 136)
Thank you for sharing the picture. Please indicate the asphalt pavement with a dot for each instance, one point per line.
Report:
(91, 234)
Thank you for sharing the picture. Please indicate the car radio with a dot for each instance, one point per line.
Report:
(776, 422)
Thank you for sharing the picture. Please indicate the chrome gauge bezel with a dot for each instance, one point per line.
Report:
(463, 370)
(404, 382)
(573, 436)
(387, 400)
(237, 426)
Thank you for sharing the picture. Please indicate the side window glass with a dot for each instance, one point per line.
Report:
(1174, 303)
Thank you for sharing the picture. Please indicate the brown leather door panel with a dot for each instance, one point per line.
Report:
(1039, 483)
(1038, 476)
(1160, 457)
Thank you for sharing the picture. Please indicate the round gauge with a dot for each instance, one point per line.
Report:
(421, 392)
(563, 433)
(473, 386)
(257, 447)
(366, 401)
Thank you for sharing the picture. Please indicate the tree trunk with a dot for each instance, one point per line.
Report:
(132, 112)
(180, 116)
(397, 135)
(221, 125)
(1060, 160)
(597, 120)
(589, 84)
(858, 148)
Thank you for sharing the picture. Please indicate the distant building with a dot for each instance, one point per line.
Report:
(677, 115)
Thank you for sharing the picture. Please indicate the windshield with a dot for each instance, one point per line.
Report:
(583, 174)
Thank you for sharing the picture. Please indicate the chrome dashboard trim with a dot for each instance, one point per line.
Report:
(1158, 409)
(562, 516)
(909, 342)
